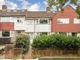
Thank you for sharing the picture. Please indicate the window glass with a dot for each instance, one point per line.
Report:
(74, 34)
(43, 21)
(5, 33)
(63, 33)
(19, 21)
(42, 33)
(63, 21)
(76, 21)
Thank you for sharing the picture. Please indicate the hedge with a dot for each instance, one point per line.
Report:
(56, 41)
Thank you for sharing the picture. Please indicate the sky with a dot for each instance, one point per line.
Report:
(31, 5)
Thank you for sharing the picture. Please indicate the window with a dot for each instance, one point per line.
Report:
(19, 21)
(5, 33)
(43, 21)
(76, 21)
(63, 33)
(63, 21)
(18, 32)
(43, 33)
(74, 34)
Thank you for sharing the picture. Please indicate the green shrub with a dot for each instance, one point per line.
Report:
(22, 41)
(73, 42)
(56, 41)
(41, 42)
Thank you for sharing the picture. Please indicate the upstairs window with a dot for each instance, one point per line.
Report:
(5, 33)
(76, 21)
(63, 20)
(19, 21)
(43, 21)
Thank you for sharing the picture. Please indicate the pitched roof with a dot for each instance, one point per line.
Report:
(28, 14)
(24, 12)
(12, 13)
(38, 14)
(68, 12)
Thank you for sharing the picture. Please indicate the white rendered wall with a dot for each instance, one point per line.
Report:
(43, 28)
(29, 26)
(32, 26)
(19, 25)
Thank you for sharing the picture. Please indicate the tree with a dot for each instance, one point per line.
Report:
(61, 3)
(78, 10)
(22, 41)
(58, 3)
(51, 3)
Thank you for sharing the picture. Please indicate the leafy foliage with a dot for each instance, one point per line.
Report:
(74, 2)
(50, 3)
(22, 41)
(78, 10)
(56, 41)
(61, 3)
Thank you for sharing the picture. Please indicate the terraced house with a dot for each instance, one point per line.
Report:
(13, 22)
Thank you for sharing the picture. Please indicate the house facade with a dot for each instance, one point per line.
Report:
(13, 22)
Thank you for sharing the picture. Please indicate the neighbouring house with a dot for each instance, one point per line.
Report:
(13, 22)
(66, 22)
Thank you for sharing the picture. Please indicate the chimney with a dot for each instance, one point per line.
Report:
(48, 9)
(4, 7)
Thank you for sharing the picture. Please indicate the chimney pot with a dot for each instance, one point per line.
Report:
(48, 9)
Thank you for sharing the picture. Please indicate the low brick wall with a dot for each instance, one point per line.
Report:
(54, 52)
(11, 52)
(48, 58)
(5, 40)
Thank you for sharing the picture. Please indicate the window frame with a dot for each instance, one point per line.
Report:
(78, 21)
(4, 33)
(42, 21)
(63, 19)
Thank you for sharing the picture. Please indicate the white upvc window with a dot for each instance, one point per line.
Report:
(43, 21)
(63, 20)
(76, 21)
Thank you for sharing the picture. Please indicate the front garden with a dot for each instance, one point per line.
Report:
(56, 45)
